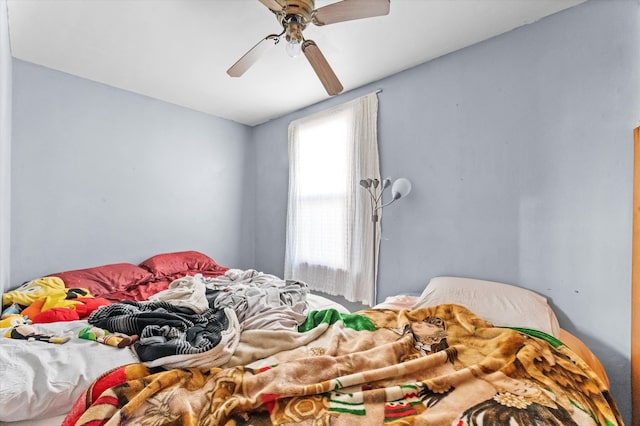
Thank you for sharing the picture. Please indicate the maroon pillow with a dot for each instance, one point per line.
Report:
(170, 264)
(106, 279)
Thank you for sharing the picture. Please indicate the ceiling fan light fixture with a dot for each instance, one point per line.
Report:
(293, 48)
(293, 36)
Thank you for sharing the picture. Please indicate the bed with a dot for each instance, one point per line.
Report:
(267, 351)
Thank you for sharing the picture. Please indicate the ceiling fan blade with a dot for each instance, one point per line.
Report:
(272, 4)
(347, 10)
(252, 56)
(320, 65)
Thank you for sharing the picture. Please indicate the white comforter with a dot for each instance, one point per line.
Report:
(43, 379)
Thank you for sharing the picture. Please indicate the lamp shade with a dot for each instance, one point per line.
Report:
(401, 188)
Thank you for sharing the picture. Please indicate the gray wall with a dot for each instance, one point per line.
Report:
(5, 148)
(101, 175)
(520, 150)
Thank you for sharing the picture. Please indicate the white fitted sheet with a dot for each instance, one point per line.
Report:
(44, 379)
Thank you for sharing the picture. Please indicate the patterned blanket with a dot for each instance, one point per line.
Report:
(440, 365)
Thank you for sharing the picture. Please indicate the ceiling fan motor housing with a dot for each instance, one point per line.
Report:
(299, 11)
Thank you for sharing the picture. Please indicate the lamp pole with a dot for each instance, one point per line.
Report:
(374, 220)
(375, 188)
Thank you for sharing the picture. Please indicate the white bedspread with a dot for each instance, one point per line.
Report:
(43, 379)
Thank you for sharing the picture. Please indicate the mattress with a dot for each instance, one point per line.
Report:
(395, 347)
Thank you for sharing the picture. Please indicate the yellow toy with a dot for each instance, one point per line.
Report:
(51, 289)
(8, 321)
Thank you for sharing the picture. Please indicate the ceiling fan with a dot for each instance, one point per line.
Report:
(294, 16)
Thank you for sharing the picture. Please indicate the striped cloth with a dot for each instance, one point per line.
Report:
(172, 336)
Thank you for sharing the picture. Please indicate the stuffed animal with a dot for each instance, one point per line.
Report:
(9, 321)
(106, 337)
(11, 310)
(51, 289)
(22, 329)
(47, 299)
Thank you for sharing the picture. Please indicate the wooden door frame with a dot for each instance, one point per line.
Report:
(635, 281)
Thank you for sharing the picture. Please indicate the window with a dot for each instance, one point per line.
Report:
(323, 176)
(328, 222)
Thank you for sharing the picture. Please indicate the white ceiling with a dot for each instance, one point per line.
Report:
(179, 50)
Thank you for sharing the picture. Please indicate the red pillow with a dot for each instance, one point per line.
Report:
(170, 264)
(102, 280)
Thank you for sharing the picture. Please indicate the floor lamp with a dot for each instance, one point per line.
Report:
(401, 188)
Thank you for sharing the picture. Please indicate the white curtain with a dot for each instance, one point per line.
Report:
(5, 149)
(329, 243)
